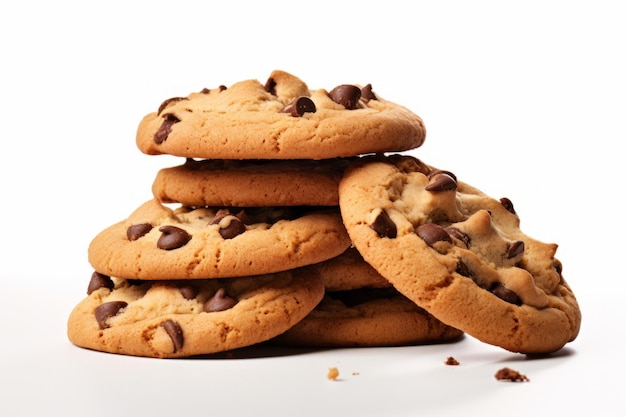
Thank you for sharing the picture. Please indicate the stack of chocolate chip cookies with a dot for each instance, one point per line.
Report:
(295, 218)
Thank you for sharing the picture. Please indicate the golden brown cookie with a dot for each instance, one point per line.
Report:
(173, 319)
(251, 183)
(280, 119)
(158, 242)
(458, 253)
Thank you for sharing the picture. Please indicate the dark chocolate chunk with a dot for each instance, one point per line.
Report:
(346, 95)
(300, 106)
(234, 228)
(169, 101)
(172, 237)
(505, 294)
(367, 94)
(175, 332)
(270, 86)
(107, 310)
(432, 233)
(219, 302)
(458, 234)
(98, 281)
(515, 248)
(441, 181)
(189, 292)
(508, 204)
(384, 226)
(166, 127)
(136, 231)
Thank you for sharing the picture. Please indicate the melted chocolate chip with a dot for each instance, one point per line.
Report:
(515, 248)
(98, 281)
(441, 181)
(175, 332)
(367, 94)
(458, 234)
(172, 237)
(346, 95)
(136, 231)
(189, 292)
(270, 86)
(219, 302)
(234, 228)
(505, 294)
(384, 226)
(508, 205)
(300, 106)
(107, 310)
(462, 269)
(166, 127)
(169, 101)
(432, 233)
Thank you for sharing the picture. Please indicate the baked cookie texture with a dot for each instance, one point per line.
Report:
(251, 183)
(172, 319)
(458, 253)
(158, 242)
(279, 119)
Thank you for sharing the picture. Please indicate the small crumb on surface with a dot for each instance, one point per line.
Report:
(451, 361)
(333, 373)
(508, 374)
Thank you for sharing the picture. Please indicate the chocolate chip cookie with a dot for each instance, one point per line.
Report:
(279, 119)
(172, 319)
(251, 183)
(458, 253)
(157, 242)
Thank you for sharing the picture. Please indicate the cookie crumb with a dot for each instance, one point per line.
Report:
(451, 361)
(333, 373)
(508, 374)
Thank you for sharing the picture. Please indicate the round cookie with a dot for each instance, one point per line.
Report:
(281, 119)
(158, 242)
(458, 253)
(251, 183)
(173, 319)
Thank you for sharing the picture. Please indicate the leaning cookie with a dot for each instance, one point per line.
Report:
(251, 183)
(281, 119)
(367, 317)
(158, 242)
(459, 254)
(173, 319)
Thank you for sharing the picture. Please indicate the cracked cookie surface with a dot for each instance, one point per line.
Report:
(280, 119)
(458, 253)
(159, 242)
(171, 319)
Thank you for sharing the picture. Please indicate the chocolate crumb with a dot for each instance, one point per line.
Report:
(508, 374)
(451, 361)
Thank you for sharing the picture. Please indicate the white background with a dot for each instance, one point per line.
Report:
(521, 99)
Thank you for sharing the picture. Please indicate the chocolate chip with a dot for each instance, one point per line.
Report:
(232, 226)
(367, 94)
(458, 234)
(515, 248)
(432, 233)
(270, 86)
(384, 226)
(107, 310)
(441, 181)
(175, 332)
(300, 106)
(172, 237)
(508, 204)
(505, 294)
(136, 231)
(219, 302)
(462, 269)
(98, 281)
(169, 101)
(166, 127)
(346, 95)
(189, 292)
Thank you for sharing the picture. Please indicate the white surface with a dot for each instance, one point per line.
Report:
(521, 101)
